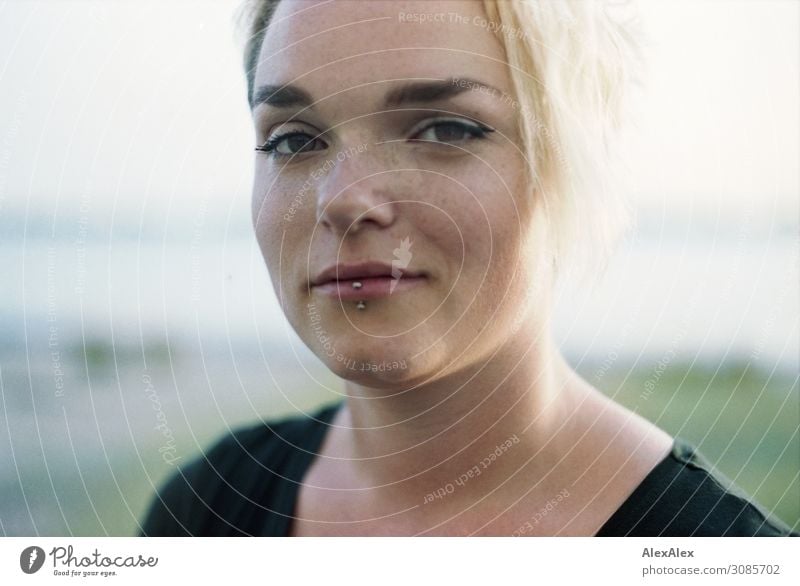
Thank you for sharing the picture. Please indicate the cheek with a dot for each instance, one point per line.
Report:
(477, 217)
(274, 212)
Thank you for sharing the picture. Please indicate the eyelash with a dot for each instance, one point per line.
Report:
(475, 130)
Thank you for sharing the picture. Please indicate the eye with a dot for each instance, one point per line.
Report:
(290, 143)
(451, 131)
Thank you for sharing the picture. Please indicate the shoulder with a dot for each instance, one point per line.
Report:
(230, 480)
(683, 496)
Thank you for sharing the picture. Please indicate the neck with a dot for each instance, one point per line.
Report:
(415, 441)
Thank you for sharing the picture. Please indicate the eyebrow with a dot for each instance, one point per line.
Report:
(289, 96)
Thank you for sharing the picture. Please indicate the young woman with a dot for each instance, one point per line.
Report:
(425, 171)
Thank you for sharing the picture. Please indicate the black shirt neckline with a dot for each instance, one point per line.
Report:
(681, 453)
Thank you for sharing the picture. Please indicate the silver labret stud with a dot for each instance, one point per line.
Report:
(360, 304)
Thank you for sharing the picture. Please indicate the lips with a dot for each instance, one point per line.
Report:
(373, 279)
(350, 272)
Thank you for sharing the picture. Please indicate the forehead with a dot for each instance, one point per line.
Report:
(330, 45)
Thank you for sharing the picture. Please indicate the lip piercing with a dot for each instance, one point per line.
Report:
(360, 304)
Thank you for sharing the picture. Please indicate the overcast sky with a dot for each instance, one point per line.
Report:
(141, 105)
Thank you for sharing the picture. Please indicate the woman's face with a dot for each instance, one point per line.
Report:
(396, 144)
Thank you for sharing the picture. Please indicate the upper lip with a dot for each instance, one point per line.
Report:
(344, 271)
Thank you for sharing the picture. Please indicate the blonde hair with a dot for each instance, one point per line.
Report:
(571, 63)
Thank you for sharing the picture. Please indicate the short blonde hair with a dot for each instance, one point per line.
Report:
(571, 64)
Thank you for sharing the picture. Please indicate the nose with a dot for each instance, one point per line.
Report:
(356, 193)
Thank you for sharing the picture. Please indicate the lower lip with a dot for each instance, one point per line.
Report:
(371, 287)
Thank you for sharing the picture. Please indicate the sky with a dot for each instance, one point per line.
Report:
(138, 107)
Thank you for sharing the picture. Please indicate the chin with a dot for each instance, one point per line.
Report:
(379, 366)
(394, 375)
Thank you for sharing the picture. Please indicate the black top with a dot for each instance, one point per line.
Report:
(247, 484)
